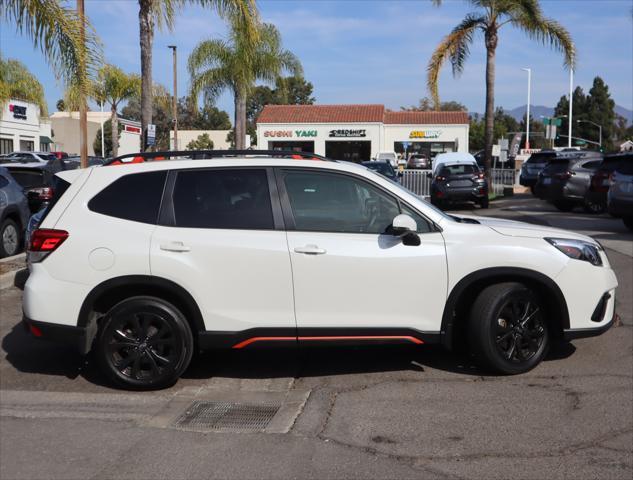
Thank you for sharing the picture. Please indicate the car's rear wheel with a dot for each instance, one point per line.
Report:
(508, 332)
(564, 206)
(9, 238)
(593, 207)
(144, 343)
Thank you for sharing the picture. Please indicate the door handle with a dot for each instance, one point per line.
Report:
(310, 250)
(175, 247)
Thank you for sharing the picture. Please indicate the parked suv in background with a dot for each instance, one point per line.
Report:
(144, 263)
(601, 179)
(565, 181)
(419, 161)
(384, 168)
(533, 166)
(620, 196)
(459, 182)
(14, 214)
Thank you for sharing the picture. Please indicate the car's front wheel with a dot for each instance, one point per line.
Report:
(144, 343)
(508, 332)
(9, 238)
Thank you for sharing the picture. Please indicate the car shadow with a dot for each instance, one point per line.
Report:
(34, 356)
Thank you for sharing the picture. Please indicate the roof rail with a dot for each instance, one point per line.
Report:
(206, 154)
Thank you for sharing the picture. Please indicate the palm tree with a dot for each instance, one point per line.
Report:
(113, 86)
(218, 65)
(488, 19)
(17, 82)
(162, 13)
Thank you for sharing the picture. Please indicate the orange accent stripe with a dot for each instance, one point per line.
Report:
(366, 337)
(249, 341)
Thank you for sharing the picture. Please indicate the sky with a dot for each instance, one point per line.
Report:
(376, 51)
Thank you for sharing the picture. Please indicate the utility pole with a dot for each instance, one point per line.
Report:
(83, 115)
(102, 133)
(571, 104)
(527, 117)
(175, 98)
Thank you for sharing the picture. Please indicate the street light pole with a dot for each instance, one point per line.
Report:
(175, 99)
(571, 104)
(527, 117)
(83, 116)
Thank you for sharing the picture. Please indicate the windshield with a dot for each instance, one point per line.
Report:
(449, 170)
(383, 168)
(541, 157)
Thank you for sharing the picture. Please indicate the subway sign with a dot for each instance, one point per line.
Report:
(348, 133)
(425, 134)
(19, 112)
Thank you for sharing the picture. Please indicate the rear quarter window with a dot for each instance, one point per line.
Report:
(134, 197)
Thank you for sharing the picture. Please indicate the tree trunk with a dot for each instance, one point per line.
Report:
(240, 120)
(146, 25)
(491, 47)
(114, 124)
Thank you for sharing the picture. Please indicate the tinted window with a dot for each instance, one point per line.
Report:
(237, 199)
(557, 166)
(29, 177)
(458, 170)
(133, 197)
(541, 157)
(625, 167)
(59, 188)
(338, 203)
(593, 165)
(384, 168)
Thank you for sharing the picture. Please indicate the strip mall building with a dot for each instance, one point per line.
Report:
(359, 132)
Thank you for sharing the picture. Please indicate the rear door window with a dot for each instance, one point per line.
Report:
(134, 197)
(28, 178)
(223, 198)
(458, 170)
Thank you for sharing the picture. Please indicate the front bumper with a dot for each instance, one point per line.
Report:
(575, 333)
(78, 337)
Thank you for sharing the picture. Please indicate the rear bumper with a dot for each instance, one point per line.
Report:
(459, 194)
(78, 337)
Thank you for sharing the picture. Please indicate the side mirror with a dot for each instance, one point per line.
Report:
(403, 224)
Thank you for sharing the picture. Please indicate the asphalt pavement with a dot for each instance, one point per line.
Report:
(372, 412)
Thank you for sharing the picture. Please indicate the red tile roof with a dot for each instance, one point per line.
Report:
(426, 118)
(355, 114)
(321, 114)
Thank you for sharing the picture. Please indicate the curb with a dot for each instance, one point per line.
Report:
(6, 279)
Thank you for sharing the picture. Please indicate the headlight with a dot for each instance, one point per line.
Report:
(578, 250)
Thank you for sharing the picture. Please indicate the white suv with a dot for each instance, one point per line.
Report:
(145, 263)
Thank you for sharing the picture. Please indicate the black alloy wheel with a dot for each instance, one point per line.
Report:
(508, 328)
(593, 207)
(145, 343)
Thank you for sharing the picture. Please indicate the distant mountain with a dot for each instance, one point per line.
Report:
(625, 112)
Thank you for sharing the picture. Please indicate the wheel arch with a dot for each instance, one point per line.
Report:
(465, 291)
(110, 292)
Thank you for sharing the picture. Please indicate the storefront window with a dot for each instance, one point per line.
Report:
(27, 145)
(307, 147)
(352, 151)
(6, 145)
(430, 149)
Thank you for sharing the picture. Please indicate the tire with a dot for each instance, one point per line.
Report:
(485, 202)
(494, 329)
(10, 238)
(533, 191)
(564, 206)
(595, 208)
(126, 352)
(628, 222)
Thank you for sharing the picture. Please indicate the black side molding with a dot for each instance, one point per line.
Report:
(575, 333)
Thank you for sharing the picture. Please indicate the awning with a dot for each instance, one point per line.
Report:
(45, 140)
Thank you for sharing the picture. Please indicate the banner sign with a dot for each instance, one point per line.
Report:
(515, 145)
(151, 135)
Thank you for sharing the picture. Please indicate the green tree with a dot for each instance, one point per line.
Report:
(488, 19)
(293, 90)
(60, 105)
(107, 128)
(114, 86)
(203, 142)
(163, 13)
(209, 117)
(425, 105)
(17, 82)
(601, 110)
(233, 64)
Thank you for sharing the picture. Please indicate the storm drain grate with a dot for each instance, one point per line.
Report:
(228, 416)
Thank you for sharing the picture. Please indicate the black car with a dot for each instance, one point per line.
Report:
(600, 181)
(384, 168)
(565, 181)
(36, 181)
(533, 166)
(462, 182)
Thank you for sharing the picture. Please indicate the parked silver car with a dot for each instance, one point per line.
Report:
(620, 196)
(14, 214)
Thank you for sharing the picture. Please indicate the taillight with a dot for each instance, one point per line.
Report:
(479, 176)
(44, 193)
(44, 241)
(439, 178)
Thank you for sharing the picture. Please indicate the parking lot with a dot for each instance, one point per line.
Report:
(373, 412)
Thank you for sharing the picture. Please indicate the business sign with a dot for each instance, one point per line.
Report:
(19, 113)
(278, 134)
(348, 133)
(305, 133)
(425, 134)
(136, 130)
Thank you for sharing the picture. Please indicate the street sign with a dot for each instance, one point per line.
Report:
(496, 150)
(150, 139)
(581, 142)
(503, 143)
(503, 157)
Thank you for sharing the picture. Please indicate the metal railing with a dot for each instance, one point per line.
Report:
(419, 183)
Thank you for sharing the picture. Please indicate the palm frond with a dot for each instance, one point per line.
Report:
(17, 82)
(456, 47)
